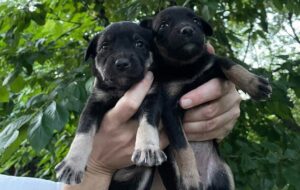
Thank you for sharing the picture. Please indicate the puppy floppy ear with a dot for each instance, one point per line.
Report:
(206, 27)
(146, 23)
(91, 51)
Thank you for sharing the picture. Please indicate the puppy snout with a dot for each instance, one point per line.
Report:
(122, 64)
(187, 31)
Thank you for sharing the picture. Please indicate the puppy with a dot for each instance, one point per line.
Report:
(121, 56)
(183, 64)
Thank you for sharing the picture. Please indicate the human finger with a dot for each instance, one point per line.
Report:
(212, 124)
(214, 108)
(218, 134)
(210, 48)
(209, 91)
(130, 102)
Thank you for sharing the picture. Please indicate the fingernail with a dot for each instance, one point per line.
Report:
(210, 48)
(149, 75)
(186, 103)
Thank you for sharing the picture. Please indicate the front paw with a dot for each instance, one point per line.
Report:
(259, 88)
(69, 172)
(148, 157)
(184, 187)
(190, 183)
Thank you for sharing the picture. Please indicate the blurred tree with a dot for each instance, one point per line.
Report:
(45, 81)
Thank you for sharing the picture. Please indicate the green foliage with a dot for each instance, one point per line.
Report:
(45, 81)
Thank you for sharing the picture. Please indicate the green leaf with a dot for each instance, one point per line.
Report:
(7, 137)
(39, 135)
(11, 132)
(4, 94)
(272, 158)
(18, 84)
(278, 4)
(13, 148)
(55, 116)
(247, 164)
(291, 154)
(205, 12)
(36, 100)
(10, 77)
(291, 175)
(39, 17)
(89, 84)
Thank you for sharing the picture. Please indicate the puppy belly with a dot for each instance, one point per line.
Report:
(214, 172)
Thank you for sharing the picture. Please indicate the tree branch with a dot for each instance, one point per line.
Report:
(248, 43)
(57, 18)
(68, 31)
(290, 15)
(102, 14)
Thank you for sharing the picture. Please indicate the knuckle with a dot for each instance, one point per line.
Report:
(105, 129)
(237, 97)
(217, 82)
(131, 105)
(210, 111)
(219, 92)
(210, 124)
(236, 113)
(219, 87)
(228, 128)
(226, 86)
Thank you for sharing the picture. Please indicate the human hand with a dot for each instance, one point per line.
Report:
(114, 142)
(213, 109)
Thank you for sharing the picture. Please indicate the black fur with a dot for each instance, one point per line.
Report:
(134, 182)
(122, 56)
(183, 63)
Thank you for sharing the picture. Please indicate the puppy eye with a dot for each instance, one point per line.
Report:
(197, 21)
(104, 46)
(163, 25)
(139, 44)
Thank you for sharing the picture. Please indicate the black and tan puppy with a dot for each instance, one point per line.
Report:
(183, 64)
(121, 56)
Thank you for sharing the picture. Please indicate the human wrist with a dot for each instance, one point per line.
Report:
(91, 182)
(98, 168)
(96, 177)
(97, 181)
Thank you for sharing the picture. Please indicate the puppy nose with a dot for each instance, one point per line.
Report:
(122, 64)
(187, 31)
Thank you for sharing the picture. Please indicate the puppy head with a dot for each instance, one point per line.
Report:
(121, 53)
(179, 33)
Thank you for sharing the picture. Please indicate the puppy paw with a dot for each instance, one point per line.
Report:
(185, 185)
(259, 88)
(148, 157)
(69, 172)
(190, 179)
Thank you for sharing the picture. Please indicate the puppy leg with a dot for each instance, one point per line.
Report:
(257, 87)
(169, 171)
(184, 156)
(147, 151)
(70, 170)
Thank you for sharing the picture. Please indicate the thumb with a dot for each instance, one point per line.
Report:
(127, 106)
